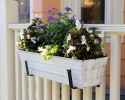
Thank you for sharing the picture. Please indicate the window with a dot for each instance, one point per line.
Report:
(93, 11)
(24, 11)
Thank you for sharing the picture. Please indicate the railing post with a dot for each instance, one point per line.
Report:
(65, 92)
(25, 93)
(87, 93)
(76, 94)
(47, 89)
(39, 89)
(32, 90)
(18, 70)
(55, 90)
(115, 67)
(8, 14)
(100, 91)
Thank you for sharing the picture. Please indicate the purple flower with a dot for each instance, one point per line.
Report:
(73, 17)
(49, 12)
(55, 20)
(39, 26)
(50, 18)
(67, 9)
(59, 14)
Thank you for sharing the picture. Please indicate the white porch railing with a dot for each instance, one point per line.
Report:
(36, 88)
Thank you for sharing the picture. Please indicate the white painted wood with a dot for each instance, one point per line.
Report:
(39, 89)
(100, 91)
(65, 92)
(25, 93)
(87, 94)
(47, 89)
(31, 10)
(18, 70)
(32, 90)
(110, 28)
(8, 14)
(55, 90)
(62, 4)
(117, 8)
(115, 67)
(76, 94)
(83, 75)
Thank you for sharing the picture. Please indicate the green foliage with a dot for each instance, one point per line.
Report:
(61, 35)
(83, 44)
(48, 51)
(32, 37)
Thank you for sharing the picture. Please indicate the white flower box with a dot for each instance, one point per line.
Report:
(86, 73)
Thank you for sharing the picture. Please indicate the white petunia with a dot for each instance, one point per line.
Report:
(71, 48)
(21, 34)
(91, 35)
(22, 37)
(83, 39)
(90, 31)
(28, 36)
(78, 24)
(68, 38)
(96, 41)
(33, 39)
(88, 48)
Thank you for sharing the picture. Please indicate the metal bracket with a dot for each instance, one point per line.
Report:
(27, 69)
(69, 72)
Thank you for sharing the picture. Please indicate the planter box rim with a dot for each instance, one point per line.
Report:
(62, 57)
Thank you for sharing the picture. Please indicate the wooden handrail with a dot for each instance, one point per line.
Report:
(107, 28)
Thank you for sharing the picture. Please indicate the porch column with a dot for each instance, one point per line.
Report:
(115, 67)
(8, 14)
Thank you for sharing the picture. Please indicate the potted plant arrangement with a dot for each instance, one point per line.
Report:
(63, 50)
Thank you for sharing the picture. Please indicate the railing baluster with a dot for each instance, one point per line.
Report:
(18, 70)
(55, 91)
(39, 88)
(115, 66)
(31, 87)
(100, 91)
(87, 94)
(47, 89)
(76, 94)
(65, 92)
(25, 93)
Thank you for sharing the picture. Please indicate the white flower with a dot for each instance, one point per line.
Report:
(41, 49)
(87, 29)
(96, 41)
(21, 34)
(68, 51)
(83, 39)
(91, 35)
(90, 31)
(68, 38)
(71, 48)
(101, 35)
(22, 37)
(88, 48)
(33, 39)
(28, 36)
(78, 24)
